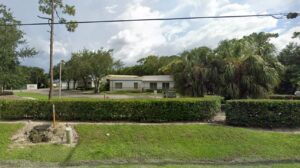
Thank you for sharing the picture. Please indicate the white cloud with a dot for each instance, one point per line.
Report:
(217, 30)
(139, 39)
(285, 37)
(111, 9)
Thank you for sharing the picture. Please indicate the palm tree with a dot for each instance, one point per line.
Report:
(251, 70)
(190, 71)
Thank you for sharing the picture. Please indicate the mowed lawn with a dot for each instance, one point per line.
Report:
(37, 96)
(165, 144)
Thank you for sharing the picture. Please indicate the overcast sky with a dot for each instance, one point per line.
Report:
(135, 40)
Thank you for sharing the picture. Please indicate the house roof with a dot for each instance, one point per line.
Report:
(160, 78)
(123, 77)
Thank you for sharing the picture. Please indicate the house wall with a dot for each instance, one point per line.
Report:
(90, 83)
(129, 85)
(146, 84)
(126, 85)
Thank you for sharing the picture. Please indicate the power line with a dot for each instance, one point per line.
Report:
(290, 15)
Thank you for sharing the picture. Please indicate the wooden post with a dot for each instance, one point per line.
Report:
(53, 116)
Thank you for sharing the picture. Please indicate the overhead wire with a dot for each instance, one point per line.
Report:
(290, 15)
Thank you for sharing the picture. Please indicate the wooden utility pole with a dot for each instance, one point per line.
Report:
(51, 49)
(60, 76)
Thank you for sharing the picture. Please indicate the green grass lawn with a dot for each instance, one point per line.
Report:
(130, 93)
(40, 96)
(6, 131)
(165, 144)
(37, 96)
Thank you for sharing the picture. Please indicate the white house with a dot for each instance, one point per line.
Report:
(78, 84)
(142, 83)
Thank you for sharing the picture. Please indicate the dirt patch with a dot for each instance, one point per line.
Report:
(219, 118)
(34, 133)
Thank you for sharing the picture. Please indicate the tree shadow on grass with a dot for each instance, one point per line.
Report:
(67, 161)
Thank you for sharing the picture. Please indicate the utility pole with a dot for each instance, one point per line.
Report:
(60, 84)
(51, 49)
(49, 7)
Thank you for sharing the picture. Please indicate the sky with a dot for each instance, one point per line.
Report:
(135, 40)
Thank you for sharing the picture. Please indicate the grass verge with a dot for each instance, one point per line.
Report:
(164, 145)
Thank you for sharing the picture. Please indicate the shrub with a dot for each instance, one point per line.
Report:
(148, 110)
(263, 113)
(6, 93)
(284, 97)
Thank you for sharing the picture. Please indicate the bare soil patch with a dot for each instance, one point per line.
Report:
(34, 133)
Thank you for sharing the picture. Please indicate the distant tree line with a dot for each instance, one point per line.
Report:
(13, 47)
(249, 67)
(88, 66)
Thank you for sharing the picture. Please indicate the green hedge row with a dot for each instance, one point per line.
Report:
(6, 93)
(263, 113)
(148, 110)
(284, 97)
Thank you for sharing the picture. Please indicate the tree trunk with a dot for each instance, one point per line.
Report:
(68, 84)
(74, 84)
(51, 50)
(97, 84)
(84, 82)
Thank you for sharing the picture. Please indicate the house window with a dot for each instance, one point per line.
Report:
(165, 85)
(118, 85)
(136, 85)
(153, 86)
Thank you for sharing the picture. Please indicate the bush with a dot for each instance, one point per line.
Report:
(124, 91)
(152, 90)
(284, 97)
(6, 93)
(263, 113)
(148, 110)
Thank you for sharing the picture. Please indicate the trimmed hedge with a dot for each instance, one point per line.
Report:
(263, 113)
(148, 110)
(284, 97)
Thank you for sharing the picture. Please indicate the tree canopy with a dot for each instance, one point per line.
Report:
(88, 65)
(237, 68)
(290, 57)
(12, 48)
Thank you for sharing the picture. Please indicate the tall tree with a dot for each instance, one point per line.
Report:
(12, 47)
(190, 71)
(34, 75)
(237, 68)
(53, 8)
(100, 64)
(290, 57)
(151, 65)
(250, 67)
